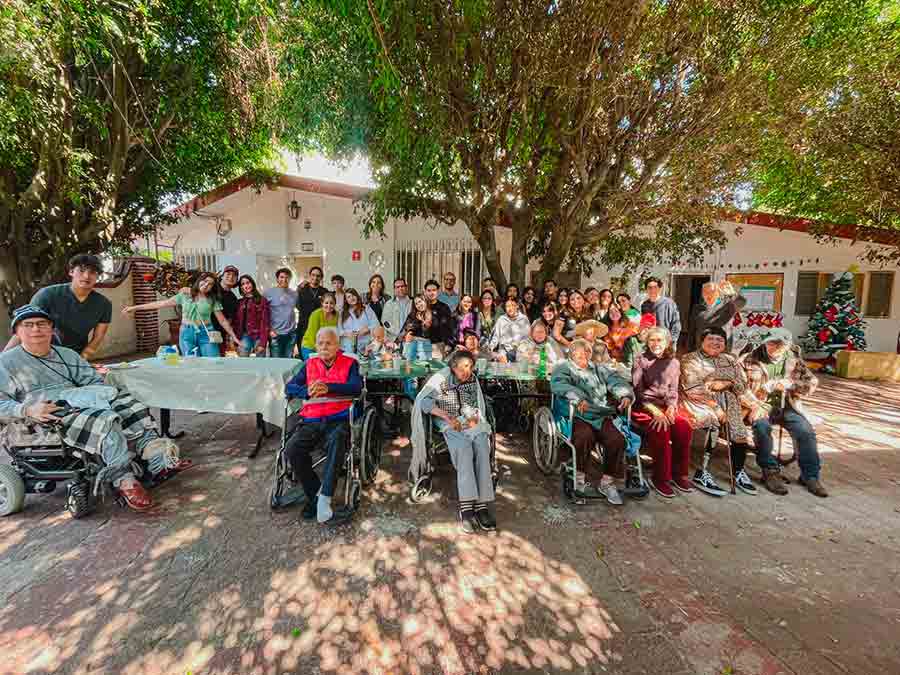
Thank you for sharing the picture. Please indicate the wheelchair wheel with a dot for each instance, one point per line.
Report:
(543, 441)
(370, 448)
(421, 489)
(78, 499)
(12, 491)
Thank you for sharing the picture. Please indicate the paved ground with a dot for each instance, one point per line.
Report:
(213, 582)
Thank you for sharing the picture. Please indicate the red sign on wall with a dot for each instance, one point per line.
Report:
(356, 256)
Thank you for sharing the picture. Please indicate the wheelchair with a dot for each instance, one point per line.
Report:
(41, 459)
(436, 447)
(361, 460)
(553, 428)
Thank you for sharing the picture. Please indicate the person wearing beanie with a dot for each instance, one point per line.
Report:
(46, 383)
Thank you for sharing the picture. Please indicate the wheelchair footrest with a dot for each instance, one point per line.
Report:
(291, 497)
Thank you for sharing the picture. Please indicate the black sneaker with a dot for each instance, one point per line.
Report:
(467, 522)
(743, 483)
(309, 511)
(485, 520)
(706, 483)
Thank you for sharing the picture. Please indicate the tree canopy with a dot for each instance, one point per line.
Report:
(109, 109)
(597, 130)
(842, 166)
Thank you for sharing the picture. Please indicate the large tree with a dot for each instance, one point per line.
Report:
(842, 165)
(108, 110)
(603, 131)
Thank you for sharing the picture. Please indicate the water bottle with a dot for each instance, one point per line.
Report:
(542, 364)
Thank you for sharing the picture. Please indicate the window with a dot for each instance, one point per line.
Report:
(811, 286)
(807, 293)
(878, 299)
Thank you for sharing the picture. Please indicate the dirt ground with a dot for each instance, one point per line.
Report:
(213, 582)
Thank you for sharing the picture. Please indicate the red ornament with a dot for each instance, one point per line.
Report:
(737, 320)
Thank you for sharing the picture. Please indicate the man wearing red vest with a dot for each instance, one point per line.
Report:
(329, 374)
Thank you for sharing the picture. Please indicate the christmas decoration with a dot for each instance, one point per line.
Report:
(835, 324)
(751, 327)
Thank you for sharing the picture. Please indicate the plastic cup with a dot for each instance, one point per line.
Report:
(398, 363)
(172, 359)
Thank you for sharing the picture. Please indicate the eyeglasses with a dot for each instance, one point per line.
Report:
(36, 325)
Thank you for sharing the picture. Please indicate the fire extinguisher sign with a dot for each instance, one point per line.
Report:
(356, 256)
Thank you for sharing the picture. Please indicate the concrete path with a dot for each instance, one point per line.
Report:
(213, 582)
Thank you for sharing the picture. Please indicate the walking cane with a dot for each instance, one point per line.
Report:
(728, 441)
(781, 426)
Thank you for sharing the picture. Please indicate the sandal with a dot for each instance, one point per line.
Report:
(135, 496)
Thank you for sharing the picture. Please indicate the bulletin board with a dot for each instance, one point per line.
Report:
(763, 291)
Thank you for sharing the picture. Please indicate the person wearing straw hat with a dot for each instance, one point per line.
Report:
(777, 378)
(593, 332)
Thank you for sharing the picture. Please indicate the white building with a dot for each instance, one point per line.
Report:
(256, 230)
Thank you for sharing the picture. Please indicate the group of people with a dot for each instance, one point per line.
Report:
(606, 357)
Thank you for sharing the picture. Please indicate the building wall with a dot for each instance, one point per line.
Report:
(262, 230)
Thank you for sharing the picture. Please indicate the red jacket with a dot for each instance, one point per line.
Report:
(338, 374)
(253, 319)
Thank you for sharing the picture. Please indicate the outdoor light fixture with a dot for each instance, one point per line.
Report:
(294, 209)
(307, 224)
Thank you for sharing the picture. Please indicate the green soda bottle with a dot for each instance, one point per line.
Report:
(542, 364)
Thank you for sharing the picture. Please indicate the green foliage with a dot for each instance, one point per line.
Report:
(110, 111)
(842, 164)
(600, 131)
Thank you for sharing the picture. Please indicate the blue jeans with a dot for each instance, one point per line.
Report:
(417, 350)
(247, 346)
(802, 434)
(282, 346)
(309, 437)
(192, 338)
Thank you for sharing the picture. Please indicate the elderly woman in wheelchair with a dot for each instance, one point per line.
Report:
(587, 386)
(332, 388)
(59, 422)
(453, 398)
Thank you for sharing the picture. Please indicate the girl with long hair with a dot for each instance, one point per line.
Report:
(326, 316)
(487, 314)
(574, 313)
(465, 317)
(253, 319)
(356, 323)
(376, 298)
(416, 345)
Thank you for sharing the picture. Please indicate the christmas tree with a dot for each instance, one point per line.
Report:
(836, 324)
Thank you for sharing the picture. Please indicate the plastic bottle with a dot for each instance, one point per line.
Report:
(542, 364)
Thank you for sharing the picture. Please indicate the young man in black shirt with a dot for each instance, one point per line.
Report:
(309, 299)
(227, 284)
(441, 330)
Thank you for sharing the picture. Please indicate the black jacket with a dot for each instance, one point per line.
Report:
(442, 324)
(309, 299)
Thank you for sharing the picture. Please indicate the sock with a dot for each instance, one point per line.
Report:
(706, 457)
(324, 512)
(466, 507)
(480, 506)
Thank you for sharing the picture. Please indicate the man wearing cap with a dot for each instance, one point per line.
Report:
(229, 300)
(80, 314)
(777, 379)
(52, 384)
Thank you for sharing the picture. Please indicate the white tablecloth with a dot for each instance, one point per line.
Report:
(223, 385)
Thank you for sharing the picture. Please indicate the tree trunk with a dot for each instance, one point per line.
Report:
(518, 258)
(487, 241)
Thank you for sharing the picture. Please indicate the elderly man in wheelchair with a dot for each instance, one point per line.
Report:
(330, 383)
(58, 421)
(453, 398)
